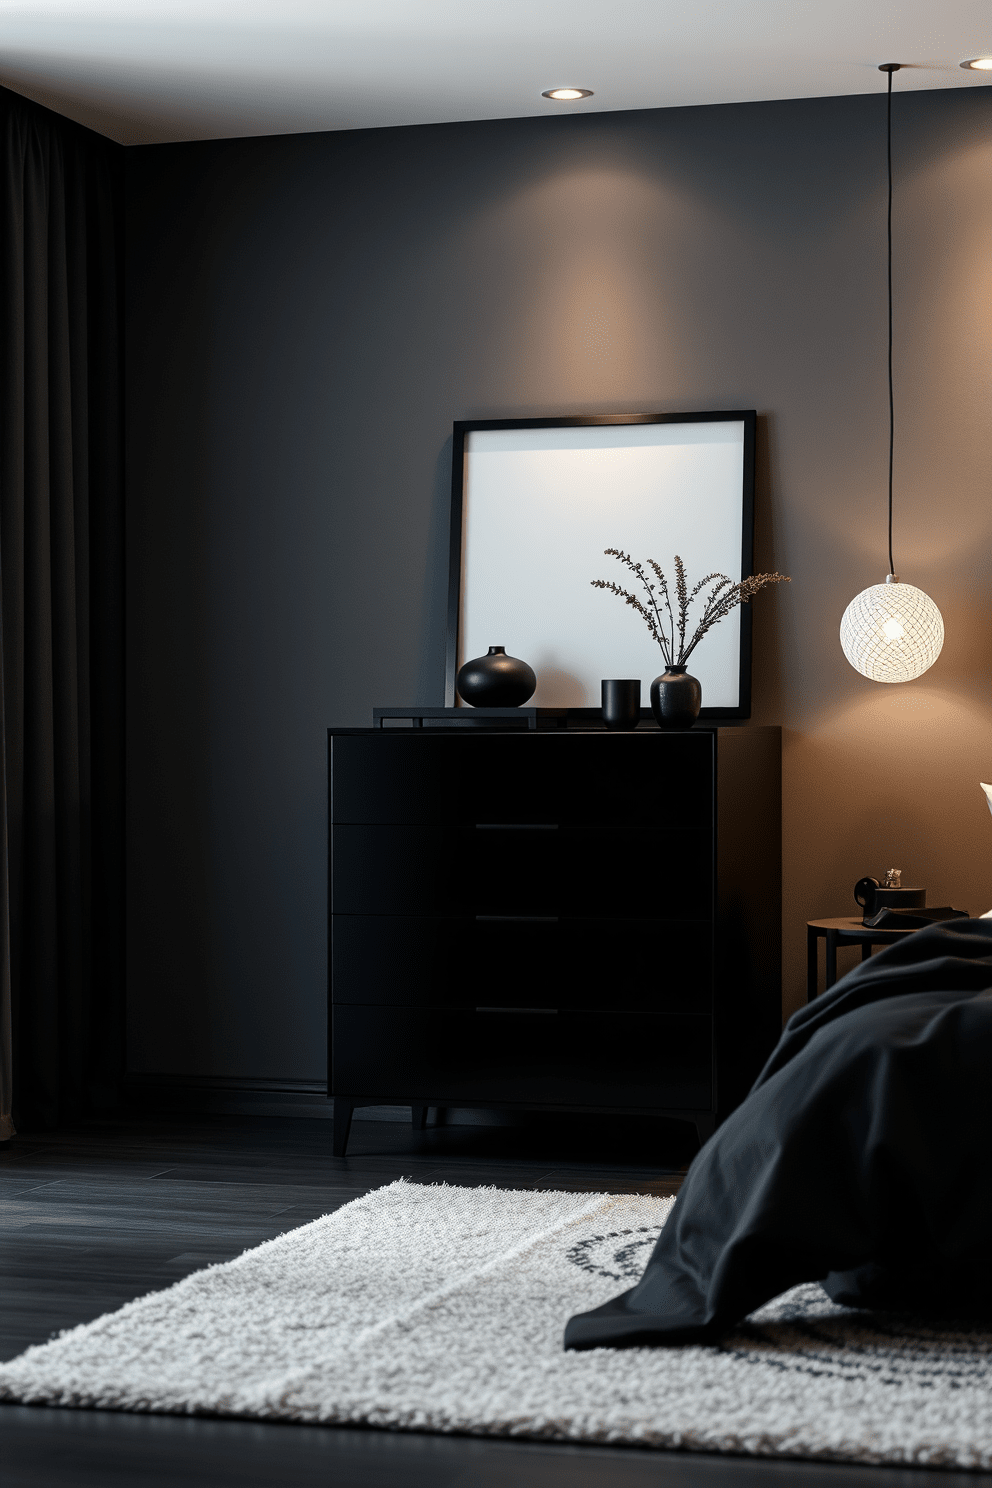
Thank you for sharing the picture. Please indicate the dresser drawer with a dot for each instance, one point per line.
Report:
(594, 964)
(440, 1056)
(411, 777)
(601, 871)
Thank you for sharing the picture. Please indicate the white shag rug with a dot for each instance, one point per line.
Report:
(442, 1309)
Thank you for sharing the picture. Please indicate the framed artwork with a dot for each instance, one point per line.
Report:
(534, 504)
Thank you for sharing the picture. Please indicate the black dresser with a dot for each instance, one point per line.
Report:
(563, 919)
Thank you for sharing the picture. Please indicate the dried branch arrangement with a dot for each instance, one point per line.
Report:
(670, 633)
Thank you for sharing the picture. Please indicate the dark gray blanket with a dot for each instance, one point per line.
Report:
(861, 1159)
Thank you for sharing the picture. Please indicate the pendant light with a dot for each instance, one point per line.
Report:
(891, 632)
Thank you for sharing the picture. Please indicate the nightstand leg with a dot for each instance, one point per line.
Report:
(343, 1112)
(812, 955)
(419, 1115)
(831, 958)
(866, 950)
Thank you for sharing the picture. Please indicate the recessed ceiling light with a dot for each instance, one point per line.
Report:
(980, 64)
(563, 95)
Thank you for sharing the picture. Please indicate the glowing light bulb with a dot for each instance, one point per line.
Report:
(892, 632)
(563, 95)
(978, 64)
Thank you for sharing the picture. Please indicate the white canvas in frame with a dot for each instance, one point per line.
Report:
(540, 505)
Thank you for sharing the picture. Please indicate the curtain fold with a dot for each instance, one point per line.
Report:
(61, 618)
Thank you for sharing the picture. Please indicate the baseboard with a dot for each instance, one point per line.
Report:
(224, 1096)
(202, 1095)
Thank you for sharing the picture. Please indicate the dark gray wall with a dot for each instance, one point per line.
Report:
(308, 314)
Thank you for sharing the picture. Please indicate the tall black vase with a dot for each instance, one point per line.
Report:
(496, 680)
(676, 699)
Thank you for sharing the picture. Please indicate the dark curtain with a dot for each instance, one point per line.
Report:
(61, 611)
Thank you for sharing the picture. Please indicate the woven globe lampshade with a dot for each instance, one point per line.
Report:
(892, 632)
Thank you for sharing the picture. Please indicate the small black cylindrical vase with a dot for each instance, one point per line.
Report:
(496, 680)
(676, 699)
(621, 702)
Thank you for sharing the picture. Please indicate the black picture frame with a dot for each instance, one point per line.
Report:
(462, 428)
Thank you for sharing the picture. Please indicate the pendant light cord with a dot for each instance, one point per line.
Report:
(890, 68)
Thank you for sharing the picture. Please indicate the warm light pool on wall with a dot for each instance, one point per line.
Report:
(566, 95)
(891, 632)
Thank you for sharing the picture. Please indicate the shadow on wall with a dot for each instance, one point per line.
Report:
(557, 688)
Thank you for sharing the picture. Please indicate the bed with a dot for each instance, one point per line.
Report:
(861, 1159)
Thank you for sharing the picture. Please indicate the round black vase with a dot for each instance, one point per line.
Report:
(496, 680)
(676, 699)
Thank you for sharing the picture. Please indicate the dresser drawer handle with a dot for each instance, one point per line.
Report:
(518, 919)
(516, 826)
(545, 1012)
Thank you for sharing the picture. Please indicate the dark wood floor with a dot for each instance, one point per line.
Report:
(94, 1216)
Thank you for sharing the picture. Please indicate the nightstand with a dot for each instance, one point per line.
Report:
(844, 931)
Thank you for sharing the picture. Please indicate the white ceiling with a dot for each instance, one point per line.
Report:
(154, 70)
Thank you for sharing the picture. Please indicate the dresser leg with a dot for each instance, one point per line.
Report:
(343, 1112)
(705, 1126)
(419, 1115)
